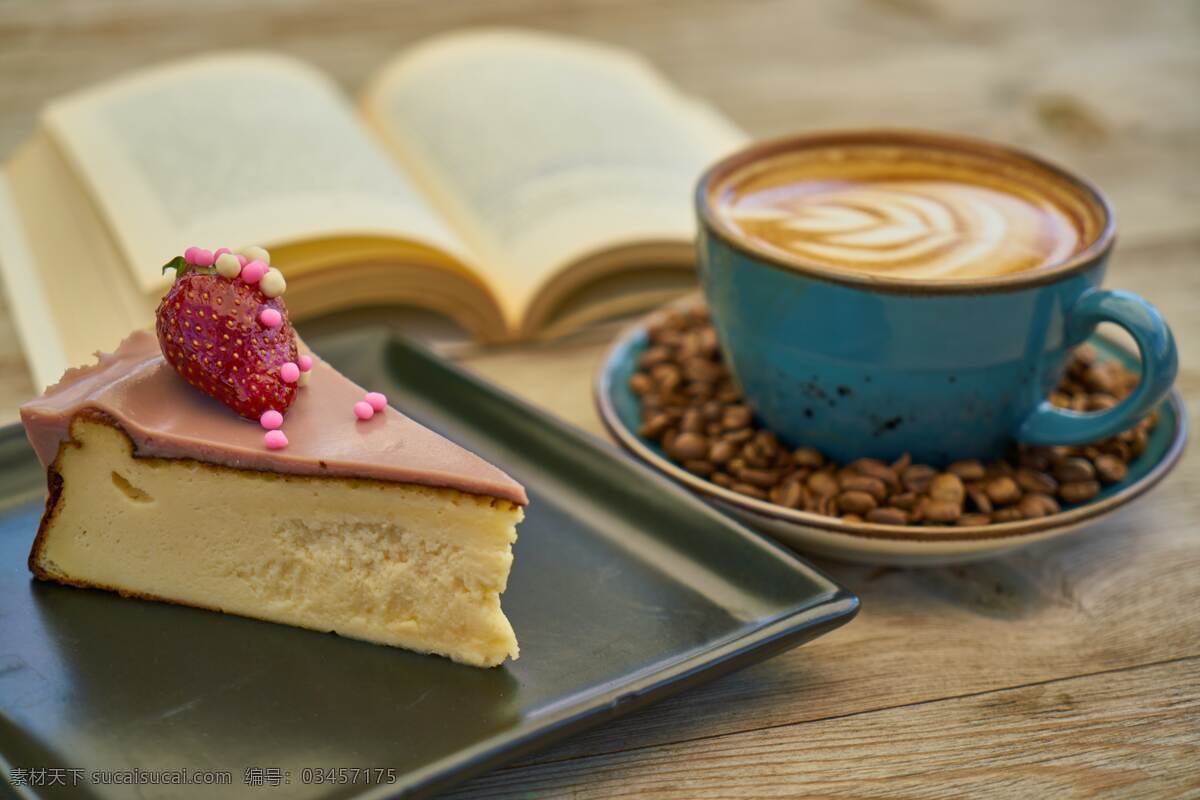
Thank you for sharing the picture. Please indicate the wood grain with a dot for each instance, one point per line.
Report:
(1116, 734)
(1069, 669)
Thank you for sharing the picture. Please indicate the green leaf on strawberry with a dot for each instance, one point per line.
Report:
(179, 264)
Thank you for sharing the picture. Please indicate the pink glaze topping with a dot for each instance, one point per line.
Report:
(166, 418)
(376, 400)
(241, 259)
(220, 251)
(363, 410)
(275, 440)
(253, 272)
(270, 318)
(305, 363)
(271, 420)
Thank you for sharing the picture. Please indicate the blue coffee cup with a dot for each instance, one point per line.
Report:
(857, 364)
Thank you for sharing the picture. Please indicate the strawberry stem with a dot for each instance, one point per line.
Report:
(182, 267)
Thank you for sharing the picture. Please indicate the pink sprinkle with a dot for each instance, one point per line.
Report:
(363, 410)
(275, 440)
(271, 420)
(253, 272)
(220, 251)
(376, 401)
(241, 259)
(190, 254)
(202, 257)
(305, 363)
(289, 372)
(270, 317)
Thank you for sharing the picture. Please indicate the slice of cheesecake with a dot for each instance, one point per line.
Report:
(376, 529)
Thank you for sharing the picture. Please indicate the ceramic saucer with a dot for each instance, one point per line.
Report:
(867, 542)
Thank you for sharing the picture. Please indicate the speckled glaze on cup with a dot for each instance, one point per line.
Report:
(868, 365)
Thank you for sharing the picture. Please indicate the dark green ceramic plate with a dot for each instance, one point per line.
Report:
(625, 589)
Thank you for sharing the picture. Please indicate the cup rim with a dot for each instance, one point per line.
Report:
(1078, 262)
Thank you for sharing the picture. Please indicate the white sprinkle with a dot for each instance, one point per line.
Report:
(256, 253)
(272, 284)
(228, 266)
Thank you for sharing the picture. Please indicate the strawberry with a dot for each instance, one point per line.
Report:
(210, 332)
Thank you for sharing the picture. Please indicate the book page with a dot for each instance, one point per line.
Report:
(543, 150)
(233, 150)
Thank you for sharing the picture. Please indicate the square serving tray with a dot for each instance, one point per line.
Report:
(624, 589)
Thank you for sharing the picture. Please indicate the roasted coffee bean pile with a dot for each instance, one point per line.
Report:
(699, 417)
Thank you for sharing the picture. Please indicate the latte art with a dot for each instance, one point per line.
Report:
(916, 221)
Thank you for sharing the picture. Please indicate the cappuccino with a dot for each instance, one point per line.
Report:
(904, 211)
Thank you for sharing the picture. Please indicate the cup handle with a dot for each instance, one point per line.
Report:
(1048, 424)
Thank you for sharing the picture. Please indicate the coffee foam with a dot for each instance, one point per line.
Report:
(905, 212)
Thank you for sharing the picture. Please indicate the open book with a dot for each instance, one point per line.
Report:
(520, 183)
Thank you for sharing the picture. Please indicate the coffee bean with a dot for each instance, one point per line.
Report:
(1109, 468)
(1101, 402)
(1003, 490)
(942, 511)
(1086, 354)
(974, 519)
(808, 457)
(721, 452)
(998, 469)
(863, 483)
(737, 417)
(906, 501)
(980, 500)
(791, 494)
(822, 484)
(749, 491)
(851, 518)
(738, 437)
(722, 479)
(1010, 514)
(971, 470)
(856, 502)
(728, 393)
(762, 478)
(655, 426)
(702, 370)
(917, 477)
(1074, 469)
(1032, 480)
(700, 467)
(692, 422)
(1037, 504)
(901, 463)
(887, 516)
(689, 446)
(1101, 378)
(1036, 459)
(873, 468)
(1078, 491)
(654, 356)
(641, 383)
(767, 441)
(948, 488)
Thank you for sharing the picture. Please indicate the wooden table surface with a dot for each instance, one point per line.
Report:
(1069, 669)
